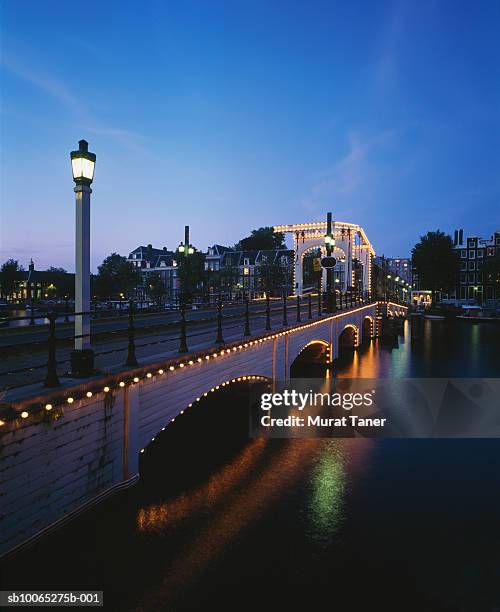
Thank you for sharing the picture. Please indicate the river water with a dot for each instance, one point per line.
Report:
(220, 522)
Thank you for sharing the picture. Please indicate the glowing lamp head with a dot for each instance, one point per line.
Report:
(181, 248)
(82, 164)
(190, 250)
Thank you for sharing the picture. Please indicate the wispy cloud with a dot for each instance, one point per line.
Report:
(346, 183)
(63, 94)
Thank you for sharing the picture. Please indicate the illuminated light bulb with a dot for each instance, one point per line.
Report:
(189, 405)
(48, 406)
(182, 411)
(70, 400)
(149, 375)
(171, 368)
(136, 379)
(205, 394)
(191, 362)
(199, 359)
(207, 356)
(122, 384)
(173, 420)
(142, 450)
(152, 439)
(24, 414)
(160, 371)
(198, 399)
(89, 394)
(181, 365)
(106, 389)
(2, 423)
(163, 428)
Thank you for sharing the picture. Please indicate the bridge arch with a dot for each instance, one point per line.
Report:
(368, 328)
(252, 378)
(348, 338)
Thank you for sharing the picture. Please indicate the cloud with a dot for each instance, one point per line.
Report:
(347, 182)
(58, 90)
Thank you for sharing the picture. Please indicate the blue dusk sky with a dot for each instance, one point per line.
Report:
(228, 116)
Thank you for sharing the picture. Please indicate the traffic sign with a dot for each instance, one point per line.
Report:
(328, 262)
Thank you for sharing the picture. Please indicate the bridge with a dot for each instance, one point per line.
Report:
(68, 447)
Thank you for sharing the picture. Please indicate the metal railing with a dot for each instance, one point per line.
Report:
(138, 324)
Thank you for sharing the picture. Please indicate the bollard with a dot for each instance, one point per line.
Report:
(285, 314)
(219, 339)
(52, 380)
(268, 314)
(247, 319)
(298, 309)
(131, 358)
(183, 348)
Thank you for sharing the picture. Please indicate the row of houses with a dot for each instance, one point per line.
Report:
(228, 271)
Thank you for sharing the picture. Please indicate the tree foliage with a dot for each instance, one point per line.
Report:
(261, 239)
(8, 276)
(116, 276)
(436, 262)
(191, 274)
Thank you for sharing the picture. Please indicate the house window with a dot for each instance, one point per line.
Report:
(479, 265)
(246, 261)
(472, 265)
(462, 293)
(480, 253)
(463, 265)
(463, 278)
(472, 254)
(463, 254)
(246, 271)
(480, 277)
(490, 251)
(471, 277)
(471, 243)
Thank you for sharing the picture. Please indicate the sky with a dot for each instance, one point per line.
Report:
(229, 116)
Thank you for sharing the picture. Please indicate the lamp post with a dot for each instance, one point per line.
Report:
(186, 249)
(329, 243)
(82, 165)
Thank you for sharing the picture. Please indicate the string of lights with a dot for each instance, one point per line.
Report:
(117, 382)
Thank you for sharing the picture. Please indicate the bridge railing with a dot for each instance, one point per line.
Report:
(138, 330)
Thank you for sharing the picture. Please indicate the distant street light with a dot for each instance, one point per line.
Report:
(82, 165)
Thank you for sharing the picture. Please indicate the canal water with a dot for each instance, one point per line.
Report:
(219, 521)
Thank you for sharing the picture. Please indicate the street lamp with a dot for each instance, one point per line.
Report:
(186, 249)
(331, 299)
(82, 166)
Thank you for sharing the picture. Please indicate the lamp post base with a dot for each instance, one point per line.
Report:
(82, 363)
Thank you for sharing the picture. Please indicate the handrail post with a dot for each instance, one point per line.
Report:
(183, 348)
(309, 307)
(131, 358)
(66, 310)
(219, 339)
(320, 307)
(52, 380)
(334, 299)
(298, 309)
(285, 314)
(32, 318)
(247, 319)
(268, 313)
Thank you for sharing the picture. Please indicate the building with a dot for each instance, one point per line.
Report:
(474, 252)
(156, 262)
(38, 285)
(250, 273)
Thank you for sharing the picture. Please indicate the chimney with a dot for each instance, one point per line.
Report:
(455, 239)
(461, 236)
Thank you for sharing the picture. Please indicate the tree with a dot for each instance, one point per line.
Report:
(274, 278)
(191, 274)
(155, 287)
(116, 276)
(64, 283)
(9, 275)
(260, 240)
(436, 262)
(491, 273)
